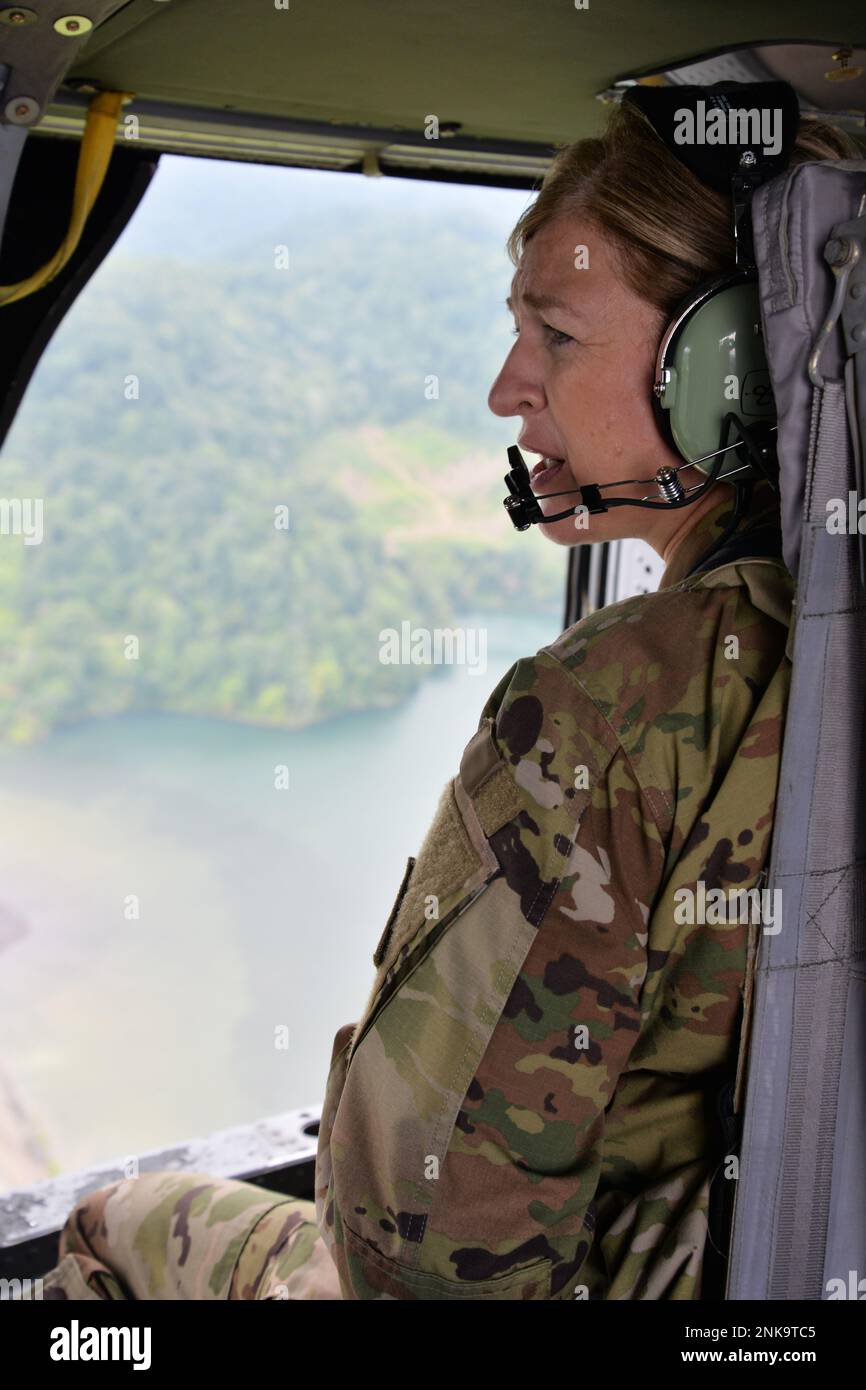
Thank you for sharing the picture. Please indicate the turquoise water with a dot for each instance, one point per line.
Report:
(258, 908)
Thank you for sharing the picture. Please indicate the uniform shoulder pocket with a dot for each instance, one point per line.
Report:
(455, 859)
(453, 866)
(379, 953)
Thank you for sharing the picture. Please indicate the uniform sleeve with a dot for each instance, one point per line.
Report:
(463, 1127)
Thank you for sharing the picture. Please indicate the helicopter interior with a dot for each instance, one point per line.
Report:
(350, 88)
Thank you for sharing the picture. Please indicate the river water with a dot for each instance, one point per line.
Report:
(258, 909)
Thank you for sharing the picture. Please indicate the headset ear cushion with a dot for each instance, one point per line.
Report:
(711, 364)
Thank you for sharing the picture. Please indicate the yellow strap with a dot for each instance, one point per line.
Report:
(97, 144)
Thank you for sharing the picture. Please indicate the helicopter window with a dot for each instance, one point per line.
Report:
(274, 589)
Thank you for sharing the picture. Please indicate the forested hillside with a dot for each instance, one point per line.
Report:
(338, 369)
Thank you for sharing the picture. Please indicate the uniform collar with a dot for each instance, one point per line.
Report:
(763, 508)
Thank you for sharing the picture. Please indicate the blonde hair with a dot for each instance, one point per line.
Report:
(671, 230)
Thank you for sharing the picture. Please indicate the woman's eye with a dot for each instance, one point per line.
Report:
(557, 337)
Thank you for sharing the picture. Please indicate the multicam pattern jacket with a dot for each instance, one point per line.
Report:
(525, 1109)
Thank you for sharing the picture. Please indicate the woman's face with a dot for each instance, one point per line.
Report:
(580, 375)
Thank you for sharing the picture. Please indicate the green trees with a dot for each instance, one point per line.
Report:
(180, 406)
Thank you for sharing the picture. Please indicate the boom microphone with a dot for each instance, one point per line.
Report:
(522, 503)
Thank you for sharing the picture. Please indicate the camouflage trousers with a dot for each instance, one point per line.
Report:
(191, 1236)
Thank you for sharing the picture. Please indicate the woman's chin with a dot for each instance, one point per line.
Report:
(564, 532)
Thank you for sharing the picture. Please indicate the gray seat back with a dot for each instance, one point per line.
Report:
(799, 1225)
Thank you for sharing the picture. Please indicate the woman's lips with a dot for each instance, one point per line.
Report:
(546, 468)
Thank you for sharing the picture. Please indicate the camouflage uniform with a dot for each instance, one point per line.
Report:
(525, 1109)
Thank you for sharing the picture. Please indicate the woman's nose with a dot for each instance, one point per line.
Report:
(516, 387)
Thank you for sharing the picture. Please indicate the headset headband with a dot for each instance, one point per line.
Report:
(721, 134)
(713, 160)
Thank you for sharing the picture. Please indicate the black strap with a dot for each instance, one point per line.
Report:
(762, 542)
(721, 1199)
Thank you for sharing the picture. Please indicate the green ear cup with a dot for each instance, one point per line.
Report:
(711, 363)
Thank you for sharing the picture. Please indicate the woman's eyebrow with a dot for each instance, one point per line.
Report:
(545, 301)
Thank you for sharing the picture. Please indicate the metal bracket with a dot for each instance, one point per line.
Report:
(38, 45)
(854, 306)
(841, 253)
(845, 253)
(854, 330)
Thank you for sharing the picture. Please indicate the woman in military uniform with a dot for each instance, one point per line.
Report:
(526, 1108)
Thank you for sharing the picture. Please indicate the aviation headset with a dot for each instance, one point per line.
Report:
(711, 355)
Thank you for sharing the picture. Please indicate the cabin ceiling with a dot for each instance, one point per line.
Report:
(517, 70)
(350, 84)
